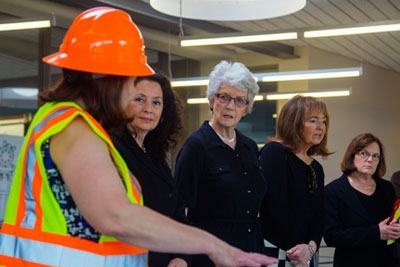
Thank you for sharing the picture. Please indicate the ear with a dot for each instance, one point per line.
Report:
(211, 103)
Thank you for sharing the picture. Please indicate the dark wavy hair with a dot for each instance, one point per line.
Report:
(291, 120)
(101, 95)
(356, 145)
(164, 138)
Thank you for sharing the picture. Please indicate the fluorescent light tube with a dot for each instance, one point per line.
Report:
(192, 41)
(333, 93)
(311, 74)
(352, 30)
(25, 25)
(279, 76)
(189, 82)
(204, 100)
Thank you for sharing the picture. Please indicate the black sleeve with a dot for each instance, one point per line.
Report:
(337, 233)
(316, 227)
(179, 215)
(275, 211)
(188, 170)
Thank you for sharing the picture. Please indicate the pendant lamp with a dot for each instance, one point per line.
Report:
(227, 10)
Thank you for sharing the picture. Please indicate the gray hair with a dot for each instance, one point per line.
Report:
(234, 74)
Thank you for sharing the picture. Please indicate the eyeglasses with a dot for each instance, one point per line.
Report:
(313, 184)
(239, 101)
(365, 155)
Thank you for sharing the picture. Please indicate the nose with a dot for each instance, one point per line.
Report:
(231, 103)
(147, 106)
(321, 125)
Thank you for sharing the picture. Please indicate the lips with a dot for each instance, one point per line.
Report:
(228, 116)
(146, 119)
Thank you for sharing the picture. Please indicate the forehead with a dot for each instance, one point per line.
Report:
(231, 90)
(148, 87)
(373, 147)
(315, 112)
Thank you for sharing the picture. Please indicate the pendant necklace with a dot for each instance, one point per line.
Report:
(361, 187)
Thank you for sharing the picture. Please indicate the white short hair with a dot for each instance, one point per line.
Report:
(234, 74)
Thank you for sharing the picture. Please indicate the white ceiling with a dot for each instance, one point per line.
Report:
(381, 49)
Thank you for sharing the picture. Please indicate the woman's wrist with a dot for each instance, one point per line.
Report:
(311, 250)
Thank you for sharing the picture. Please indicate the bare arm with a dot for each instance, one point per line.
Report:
(88, 171)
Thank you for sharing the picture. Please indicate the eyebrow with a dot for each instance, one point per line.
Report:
(143, 95)
(316, 117)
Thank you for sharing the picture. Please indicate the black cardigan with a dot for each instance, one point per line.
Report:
(158, 187)
(291, 214)
(348, 226)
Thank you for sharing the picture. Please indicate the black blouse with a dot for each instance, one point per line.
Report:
(292, 213)
(222, 187)
(158, 187)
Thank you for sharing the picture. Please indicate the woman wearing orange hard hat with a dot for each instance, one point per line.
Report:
(73, 201)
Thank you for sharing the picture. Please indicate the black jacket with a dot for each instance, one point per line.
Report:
(350, 229)
(158, 187)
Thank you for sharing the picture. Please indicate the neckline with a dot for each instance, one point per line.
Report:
(225, 140)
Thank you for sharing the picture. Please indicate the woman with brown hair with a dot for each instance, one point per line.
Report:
(292, 209)
(358, 206)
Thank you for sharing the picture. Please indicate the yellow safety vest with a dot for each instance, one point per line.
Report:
(34, 232)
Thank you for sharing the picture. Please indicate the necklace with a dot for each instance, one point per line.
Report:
(226, 140)
(361, 187)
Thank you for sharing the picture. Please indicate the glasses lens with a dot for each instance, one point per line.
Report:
(364, 154)
(376, 157)
(241, 102)
(223, 98)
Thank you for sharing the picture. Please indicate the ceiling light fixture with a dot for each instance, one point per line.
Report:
(382, 27)
(265, 36)
(330, 93)
(183, 82)
(220, 39)
(227, 10)
(311, 74)
(27, 25)
(204, 100)
(279, 76)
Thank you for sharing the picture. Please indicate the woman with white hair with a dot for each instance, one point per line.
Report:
(217, 170)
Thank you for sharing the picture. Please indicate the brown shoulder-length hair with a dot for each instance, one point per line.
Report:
(356, 145)
(164, 138)
(291, 120)
(101, 95)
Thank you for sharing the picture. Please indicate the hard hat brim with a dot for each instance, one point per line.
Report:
(62, 60)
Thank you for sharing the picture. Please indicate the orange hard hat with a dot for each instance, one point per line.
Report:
(103, 40)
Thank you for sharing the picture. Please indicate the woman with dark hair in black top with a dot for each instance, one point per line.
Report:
(144, 144)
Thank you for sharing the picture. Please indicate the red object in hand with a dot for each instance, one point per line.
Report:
(395, 208)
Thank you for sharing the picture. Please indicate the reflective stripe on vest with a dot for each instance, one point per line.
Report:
(34, 229)
(61, 256)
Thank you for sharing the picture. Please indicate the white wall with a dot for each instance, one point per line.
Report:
(372, 107)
